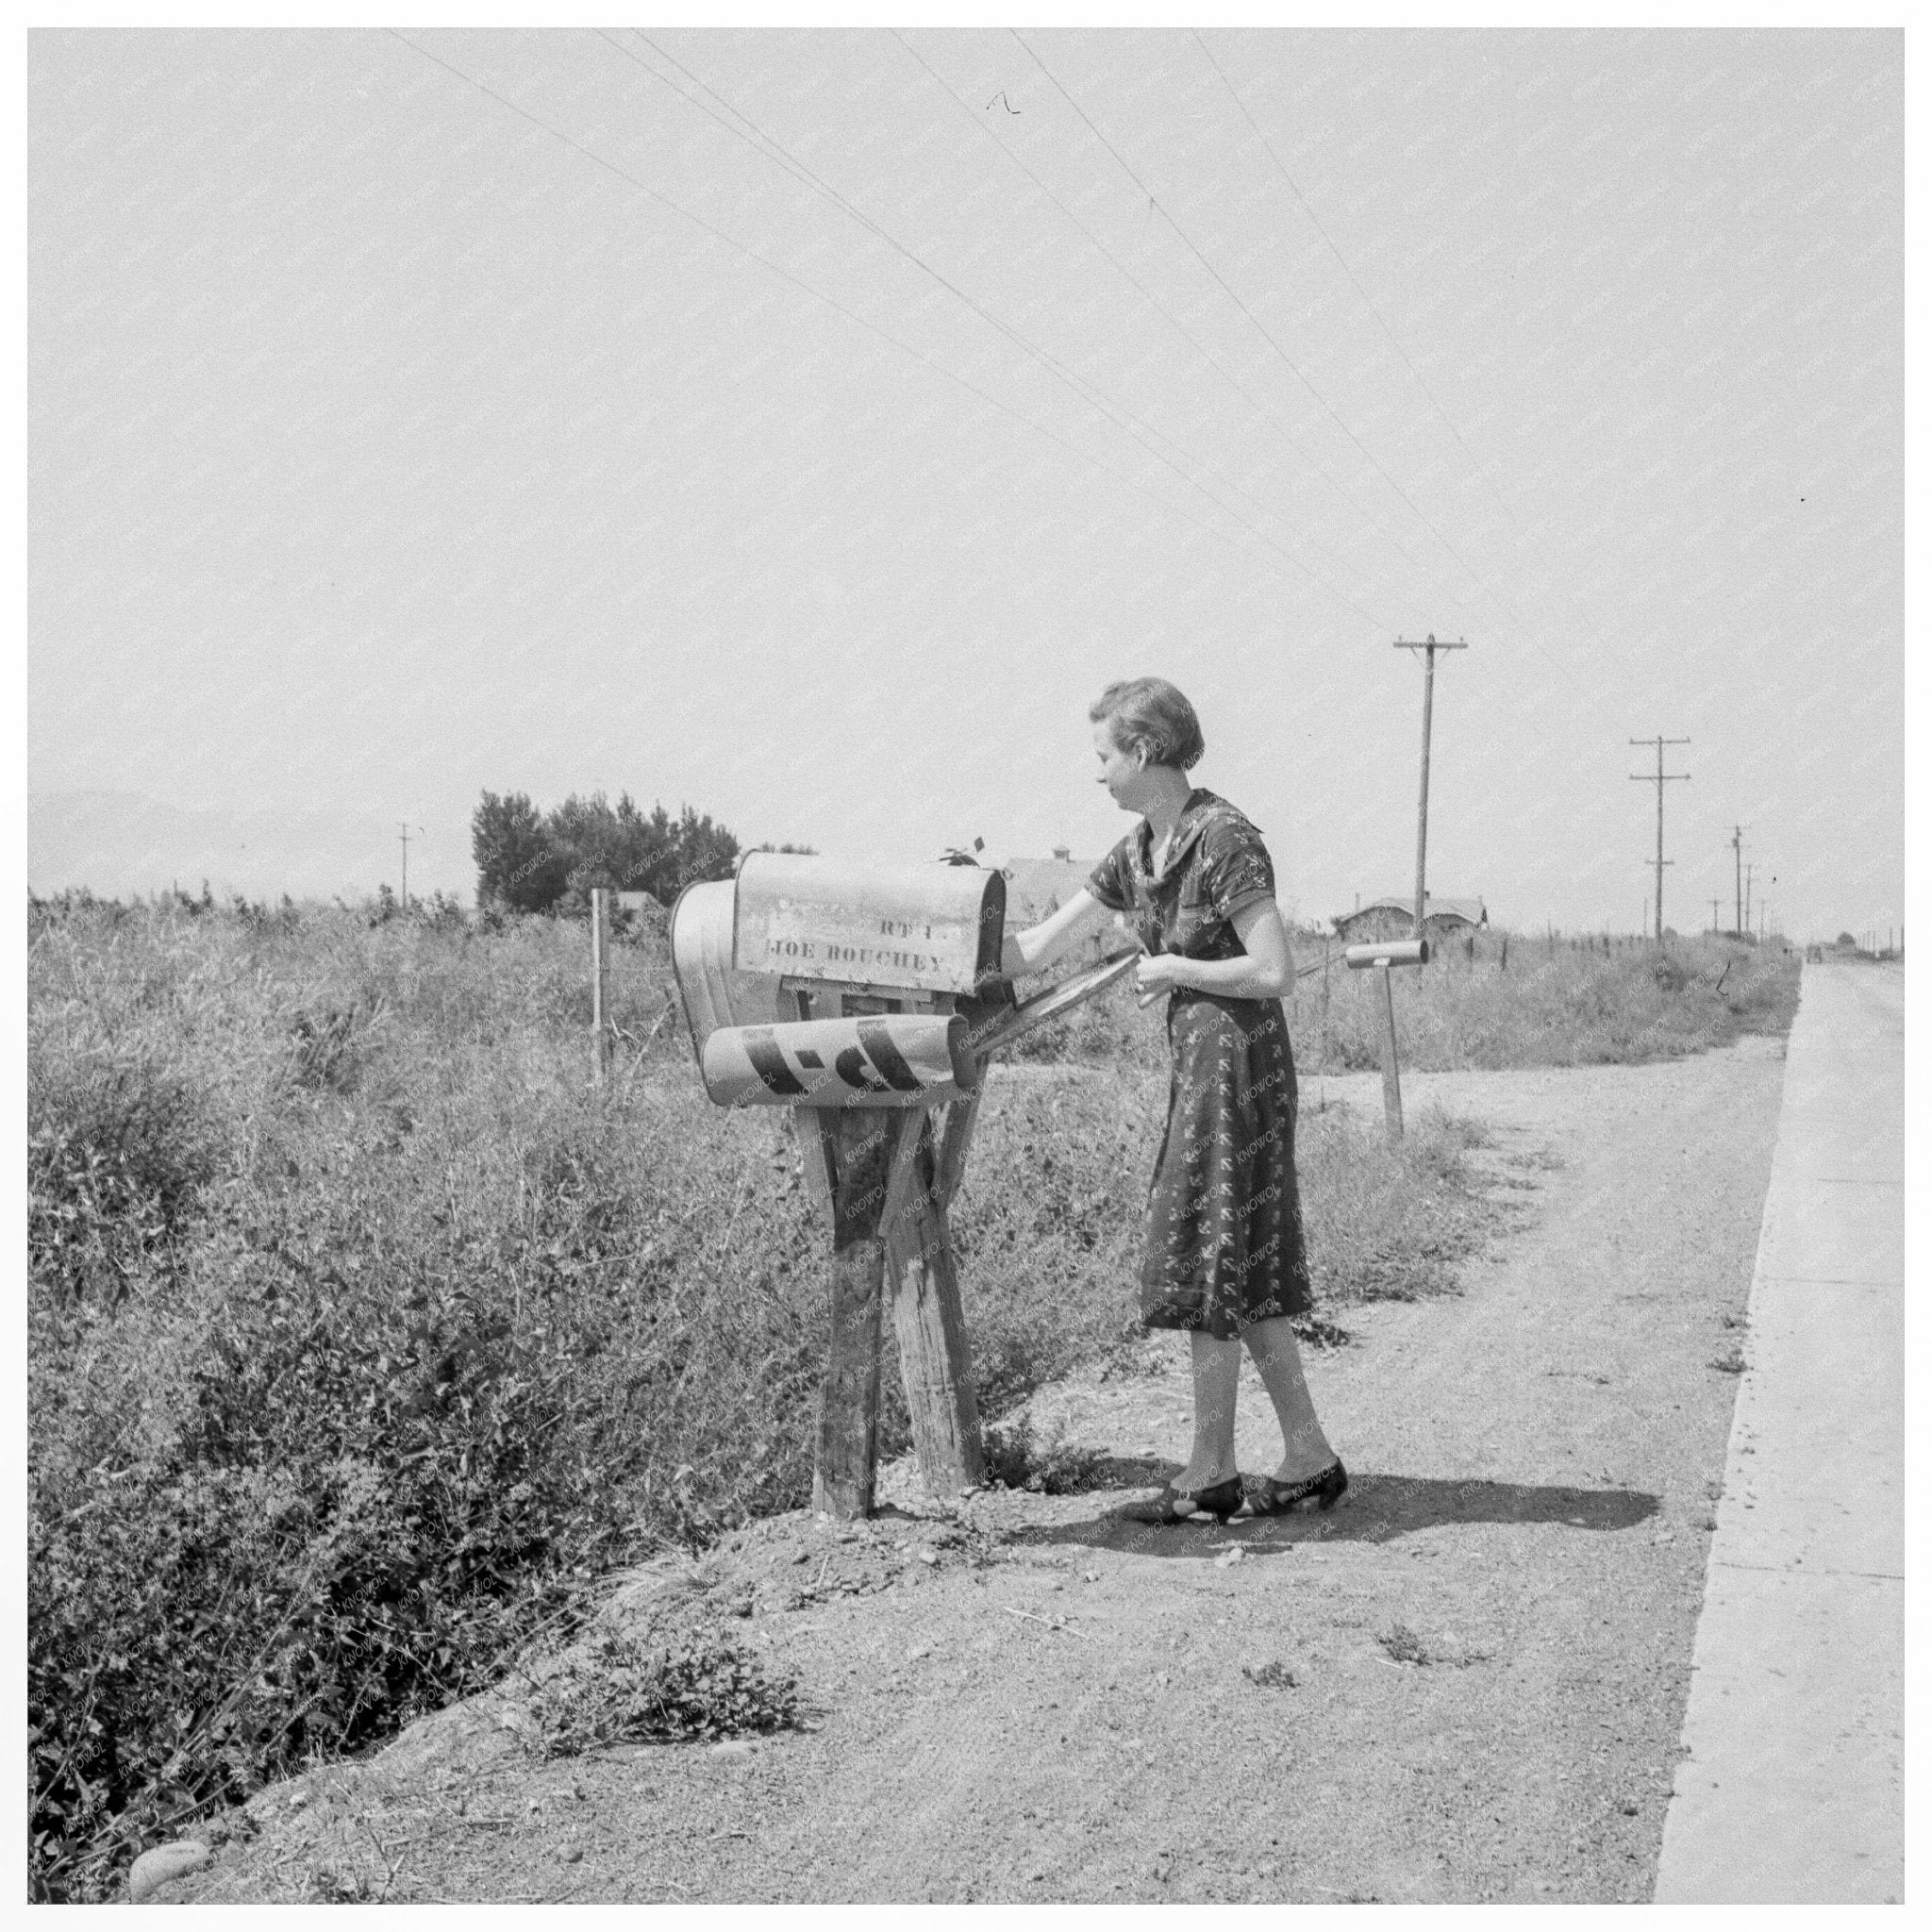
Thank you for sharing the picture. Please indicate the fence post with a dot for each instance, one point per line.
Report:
(1391, 1079)
(600, 984)
(1324, 1006)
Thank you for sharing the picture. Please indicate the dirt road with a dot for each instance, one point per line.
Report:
(1471, 1675)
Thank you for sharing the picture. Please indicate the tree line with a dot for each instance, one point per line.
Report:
(529, 860)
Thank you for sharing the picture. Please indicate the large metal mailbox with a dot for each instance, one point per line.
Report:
(925, 928)
(890, 937)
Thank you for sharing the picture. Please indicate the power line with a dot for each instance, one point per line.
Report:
(1267, 337)
(1308, 208)
(1116, 412)
(1395, 341)
(1239, 388)
(1153, 205)
(851, 315)
(1369, 301)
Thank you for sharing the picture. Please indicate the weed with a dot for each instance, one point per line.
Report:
(1270, 1677)
(1404, 1645)
(324, 1050)
(619, 1688)
(1016, 1458)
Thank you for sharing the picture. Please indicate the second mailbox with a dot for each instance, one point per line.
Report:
(907, 941)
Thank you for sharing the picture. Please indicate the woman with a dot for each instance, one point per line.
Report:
(1223, 1255)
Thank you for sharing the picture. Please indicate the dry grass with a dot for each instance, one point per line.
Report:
(1513, 1002)
(1561, 1003)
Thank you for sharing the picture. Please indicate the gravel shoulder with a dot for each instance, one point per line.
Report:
(1026, 1698)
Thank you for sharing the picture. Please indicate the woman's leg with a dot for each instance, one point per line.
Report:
(1305, 1448)
(1217, 1376)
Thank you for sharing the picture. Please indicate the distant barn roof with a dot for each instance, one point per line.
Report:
(1036, 887)
(1471, 911)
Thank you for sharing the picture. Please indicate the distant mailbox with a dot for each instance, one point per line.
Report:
(924, 929)
(1389, 953)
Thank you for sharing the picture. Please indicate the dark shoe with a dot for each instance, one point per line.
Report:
(1271, 1498)
(1219, 1500)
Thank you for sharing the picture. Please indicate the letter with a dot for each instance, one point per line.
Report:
(883, 1052)
(768, 1063)
(853, 1070)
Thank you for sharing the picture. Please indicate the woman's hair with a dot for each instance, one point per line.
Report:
(1150, 712)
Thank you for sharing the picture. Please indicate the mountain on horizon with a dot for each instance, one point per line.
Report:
(119, 843)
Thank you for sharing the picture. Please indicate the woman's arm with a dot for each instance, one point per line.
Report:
(1264, 972)
(1058, 932)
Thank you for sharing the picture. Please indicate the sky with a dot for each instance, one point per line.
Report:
(808, 426)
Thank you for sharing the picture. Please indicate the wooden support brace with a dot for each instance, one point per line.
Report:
(867, 1149)
(935, 1359)
(951, 1143)
(816, 1126)
(885, 1181)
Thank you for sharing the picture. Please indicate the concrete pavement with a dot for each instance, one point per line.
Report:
(1793, 1787)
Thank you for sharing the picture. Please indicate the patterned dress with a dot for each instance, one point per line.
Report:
(1223, 1236)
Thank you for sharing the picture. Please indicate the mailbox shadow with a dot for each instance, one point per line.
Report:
(1377, 1509)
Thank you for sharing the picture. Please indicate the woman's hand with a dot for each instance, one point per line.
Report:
(1159, 972)
(1264, 971)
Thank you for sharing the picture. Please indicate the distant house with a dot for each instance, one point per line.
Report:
(1393, 918)
(1036, 887)
(634, 913)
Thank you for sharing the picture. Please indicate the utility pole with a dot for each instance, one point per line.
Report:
(1428, 647)
(406, 862)
(1738, 866)
(1660, 779)
(1713, 915)
(1744, 930)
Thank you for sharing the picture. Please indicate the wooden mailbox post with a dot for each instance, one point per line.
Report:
(1378, 956)
(868, 999)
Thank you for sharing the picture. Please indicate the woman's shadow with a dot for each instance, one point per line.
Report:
(1376, 1509)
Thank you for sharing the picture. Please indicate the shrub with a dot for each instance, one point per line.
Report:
(119, 1146)
(1388, 1223)
(1015, 1458)
(619, 1688)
